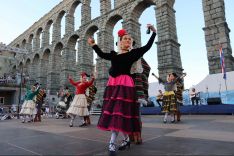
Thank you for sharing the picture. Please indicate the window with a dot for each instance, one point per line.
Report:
(1, 100)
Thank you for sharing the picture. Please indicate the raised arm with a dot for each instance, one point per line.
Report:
(28, 88)
(180, 78)
(37, 91)
(159, 79)
(100, 53)
(89, 83)
(183, 75)
(139, 52)
(72, 81)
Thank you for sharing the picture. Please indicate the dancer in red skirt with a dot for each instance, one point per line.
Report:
(120, 111)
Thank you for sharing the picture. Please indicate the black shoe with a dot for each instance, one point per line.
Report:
(173, 121)
(82, 125)
(124, 145)
(112, 153)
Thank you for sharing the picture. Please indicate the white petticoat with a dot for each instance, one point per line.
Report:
(79, 106)
(28, 107)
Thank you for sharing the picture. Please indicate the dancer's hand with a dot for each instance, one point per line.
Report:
(92, 76)
(152, 28)
(91, 41)
(69, 77)
(183, 75)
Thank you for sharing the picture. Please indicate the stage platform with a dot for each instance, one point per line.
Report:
(200, 109)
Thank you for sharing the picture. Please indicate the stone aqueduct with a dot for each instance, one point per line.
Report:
(51, 62)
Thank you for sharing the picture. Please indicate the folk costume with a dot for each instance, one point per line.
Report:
(67, 98)
(169, 100)
(39, 101)
(92, 90)
(120, 111)
(179, 97)
(169, 97)
(79, 104)
(29, 105)
(142, 85)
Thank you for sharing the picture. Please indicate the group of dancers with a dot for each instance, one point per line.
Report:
(80, 105)
(31, 108)
(122, 97)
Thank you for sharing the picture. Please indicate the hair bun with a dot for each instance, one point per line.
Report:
(84, 74)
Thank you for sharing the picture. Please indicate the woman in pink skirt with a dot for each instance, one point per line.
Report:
(120, 111)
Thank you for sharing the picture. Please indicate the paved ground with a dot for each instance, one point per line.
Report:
(195, 135)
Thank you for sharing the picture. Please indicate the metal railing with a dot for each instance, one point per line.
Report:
(8, 83)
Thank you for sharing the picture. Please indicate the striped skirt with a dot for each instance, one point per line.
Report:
(79, 106)
(120, 111)
(169, 102)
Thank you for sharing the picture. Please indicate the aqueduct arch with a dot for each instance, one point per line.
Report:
(168, 49)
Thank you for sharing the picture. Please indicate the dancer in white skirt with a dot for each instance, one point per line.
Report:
(29, 105)
(79, 104)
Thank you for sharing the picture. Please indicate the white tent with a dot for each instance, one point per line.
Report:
(216, 83)
(154, 87)
(211, 83)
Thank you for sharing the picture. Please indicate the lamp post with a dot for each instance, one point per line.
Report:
(21, 77)
(20, 89)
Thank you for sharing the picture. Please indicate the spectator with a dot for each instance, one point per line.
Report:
(159, 98)
(193, 96)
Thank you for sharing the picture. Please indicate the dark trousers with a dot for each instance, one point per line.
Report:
(158, 101)
(194, 99)
(38, 115)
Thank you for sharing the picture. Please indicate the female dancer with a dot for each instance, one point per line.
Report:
(169, 99)
(29, 105)
(120, 111)
(79, 104)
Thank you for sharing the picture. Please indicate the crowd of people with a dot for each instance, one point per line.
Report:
(8, 78)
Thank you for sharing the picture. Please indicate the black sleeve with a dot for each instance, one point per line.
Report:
(178, 79)
(100, 53)
(139, 52)
(161, 80)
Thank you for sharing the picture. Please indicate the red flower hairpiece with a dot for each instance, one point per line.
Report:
(122, 32)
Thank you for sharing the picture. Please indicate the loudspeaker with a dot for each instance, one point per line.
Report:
(214, 101)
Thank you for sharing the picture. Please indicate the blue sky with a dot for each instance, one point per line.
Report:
(18, 15)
